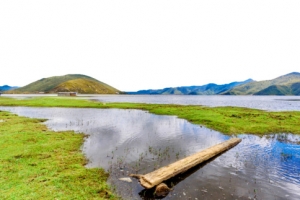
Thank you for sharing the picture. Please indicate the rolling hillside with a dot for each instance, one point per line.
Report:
(209, 89)
(284, 85)
(71, 82)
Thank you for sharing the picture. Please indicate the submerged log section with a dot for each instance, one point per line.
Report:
(158, 176)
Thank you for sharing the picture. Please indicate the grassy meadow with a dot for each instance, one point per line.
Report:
(37, 163)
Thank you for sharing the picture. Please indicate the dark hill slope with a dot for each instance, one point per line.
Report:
(53, 84)
(260, 87)
(290, 89)
(295, 87)
(275, 90)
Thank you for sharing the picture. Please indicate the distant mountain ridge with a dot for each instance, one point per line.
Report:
(7, 87)
(208, 89)
(68, 83)
(288, 84)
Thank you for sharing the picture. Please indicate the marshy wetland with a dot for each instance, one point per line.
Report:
(125, 141)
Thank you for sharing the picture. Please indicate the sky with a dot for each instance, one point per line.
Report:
(138, 44)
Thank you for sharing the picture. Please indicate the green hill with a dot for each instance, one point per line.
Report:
(290, 89)
(72, 82)
(208, 89)
(83, 86)
(284, 85)
(275, 90)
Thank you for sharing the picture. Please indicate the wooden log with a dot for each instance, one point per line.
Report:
(164, 173)
(162, 190)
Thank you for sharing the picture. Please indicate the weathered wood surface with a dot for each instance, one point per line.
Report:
(158, 176)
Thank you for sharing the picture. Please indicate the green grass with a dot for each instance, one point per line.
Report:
(37, 163)
(227, 120)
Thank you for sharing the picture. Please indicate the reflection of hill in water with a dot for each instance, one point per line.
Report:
(288, 99)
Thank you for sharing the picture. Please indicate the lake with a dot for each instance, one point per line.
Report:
(270, 103)
(134, 141)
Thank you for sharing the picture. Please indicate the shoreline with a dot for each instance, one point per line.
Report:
(227, 120)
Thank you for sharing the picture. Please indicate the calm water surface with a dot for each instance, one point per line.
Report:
(134, 141)
(270, 103)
